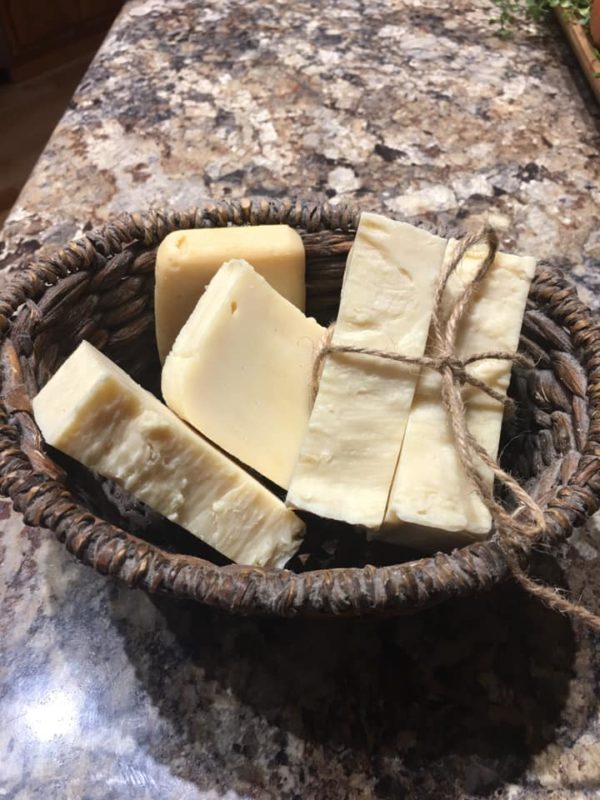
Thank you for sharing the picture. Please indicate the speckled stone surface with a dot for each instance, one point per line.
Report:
(413, 108)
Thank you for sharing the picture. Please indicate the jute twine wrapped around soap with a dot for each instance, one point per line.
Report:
(526, 524)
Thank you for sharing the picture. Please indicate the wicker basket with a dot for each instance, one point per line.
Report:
(100, 288)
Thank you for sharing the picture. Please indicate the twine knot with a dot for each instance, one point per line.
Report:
(456, 369)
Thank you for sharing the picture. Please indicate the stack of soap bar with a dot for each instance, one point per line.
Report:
(240, 370)
(432, 502)
(349, 454)
(187, 260)
(96, 413)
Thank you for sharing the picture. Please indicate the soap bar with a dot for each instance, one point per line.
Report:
(94, 412)
(187, 260)
(433, 503)
(240, 371)
(349, 453)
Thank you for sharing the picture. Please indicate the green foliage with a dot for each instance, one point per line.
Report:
(510, 12)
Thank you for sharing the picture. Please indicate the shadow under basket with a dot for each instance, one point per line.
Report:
(101, 288)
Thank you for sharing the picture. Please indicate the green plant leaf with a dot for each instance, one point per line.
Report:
(512, 11)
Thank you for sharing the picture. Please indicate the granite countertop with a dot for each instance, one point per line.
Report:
(413, 108)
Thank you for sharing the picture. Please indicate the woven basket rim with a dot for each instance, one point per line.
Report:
(34, 483)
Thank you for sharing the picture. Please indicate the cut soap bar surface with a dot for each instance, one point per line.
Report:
(349, 453)
(240, 370)
(187, 260)
(94, 412)
(431, 490)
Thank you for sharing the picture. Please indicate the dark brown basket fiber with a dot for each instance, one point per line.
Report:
(100, 288)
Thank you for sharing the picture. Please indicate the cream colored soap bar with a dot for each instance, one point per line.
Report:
(187, 260)
(94, 412)
(432, 502)
(349, 454)
(240, 371)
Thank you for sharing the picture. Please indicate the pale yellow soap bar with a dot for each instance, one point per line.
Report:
(187, 260)
(432, 503)
(349, 454)
(94, 412)
(240, 370)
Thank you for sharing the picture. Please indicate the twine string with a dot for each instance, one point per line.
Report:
(518, 530)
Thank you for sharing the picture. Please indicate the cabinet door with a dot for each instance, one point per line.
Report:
(90, 9)
(31, 23)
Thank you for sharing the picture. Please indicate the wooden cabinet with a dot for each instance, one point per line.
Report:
(35, 32)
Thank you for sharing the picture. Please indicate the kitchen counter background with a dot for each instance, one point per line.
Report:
(412, 108)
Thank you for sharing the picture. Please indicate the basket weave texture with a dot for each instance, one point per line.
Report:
(100, 288)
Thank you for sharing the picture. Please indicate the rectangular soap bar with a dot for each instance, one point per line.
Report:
(94, 412)
(432, 503)
(348, 456)
(187, 260)
(240, 371)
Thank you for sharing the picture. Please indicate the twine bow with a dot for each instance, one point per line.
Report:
(526, 523)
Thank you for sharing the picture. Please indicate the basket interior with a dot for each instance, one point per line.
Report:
(112, 307)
